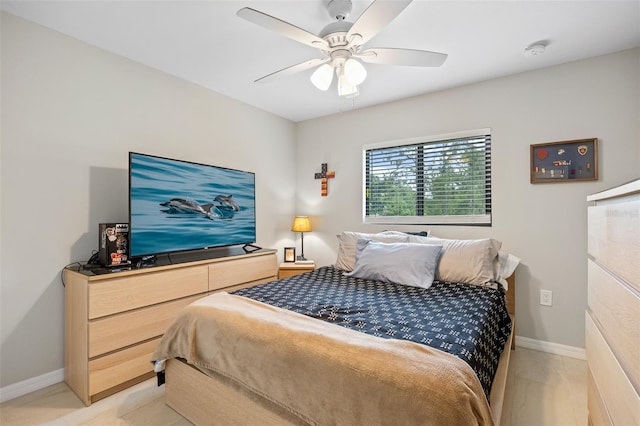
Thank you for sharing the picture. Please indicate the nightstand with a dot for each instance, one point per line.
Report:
(289, 269)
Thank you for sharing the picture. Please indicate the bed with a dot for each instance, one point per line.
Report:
(345, 344)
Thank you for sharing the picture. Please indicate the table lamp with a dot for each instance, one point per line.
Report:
(301, 224)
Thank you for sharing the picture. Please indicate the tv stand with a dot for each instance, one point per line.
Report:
(114, 318)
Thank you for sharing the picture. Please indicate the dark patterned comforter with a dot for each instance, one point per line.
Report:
(468, 321)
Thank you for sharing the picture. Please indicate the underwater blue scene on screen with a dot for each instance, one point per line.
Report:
(177, 205)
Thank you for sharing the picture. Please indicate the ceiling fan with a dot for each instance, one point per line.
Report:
(341, 43)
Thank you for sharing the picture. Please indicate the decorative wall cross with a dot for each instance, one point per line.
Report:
(325, 176)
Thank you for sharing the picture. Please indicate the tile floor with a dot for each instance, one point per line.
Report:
(545, 389)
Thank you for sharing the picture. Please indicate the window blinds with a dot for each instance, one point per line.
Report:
(436, 182)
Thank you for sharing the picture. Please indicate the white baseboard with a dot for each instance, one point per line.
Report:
(552, 348)
(31, 385)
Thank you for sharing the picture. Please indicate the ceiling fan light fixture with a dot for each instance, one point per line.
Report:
(354, 72)
(346, 89)
(322, 77)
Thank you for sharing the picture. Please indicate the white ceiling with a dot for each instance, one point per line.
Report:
(206, 43)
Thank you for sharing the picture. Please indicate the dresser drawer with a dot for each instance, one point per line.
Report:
(616, 310)
(118, 331)
(614, 237)
(226, 274)
(597, 411)
(620, 398)
(107, 297)
(119, 367)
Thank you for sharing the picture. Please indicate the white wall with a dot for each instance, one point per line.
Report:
(70, 114)
(544, 224)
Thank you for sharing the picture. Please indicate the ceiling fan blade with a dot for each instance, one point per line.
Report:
(410, 57)
(377, 16)
(292, 70)
(281, 27)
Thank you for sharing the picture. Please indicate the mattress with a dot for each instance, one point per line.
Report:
(468, 321)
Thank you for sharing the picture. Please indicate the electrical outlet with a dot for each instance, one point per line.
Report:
(546, 297)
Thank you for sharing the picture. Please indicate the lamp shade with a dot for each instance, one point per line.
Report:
(322, 77)
(354, 72)
(301, 224)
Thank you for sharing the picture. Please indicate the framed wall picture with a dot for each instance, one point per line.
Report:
(289, 254)
(568, 161)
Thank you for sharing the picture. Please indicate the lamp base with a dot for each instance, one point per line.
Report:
(300, 258)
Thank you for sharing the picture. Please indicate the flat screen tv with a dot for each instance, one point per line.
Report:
(179, 206)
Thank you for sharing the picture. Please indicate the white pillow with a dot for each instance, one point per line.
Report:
(399, 263)
(507, 264)
(467, 261)
(347, 241)
(421, 239)
(397, 233)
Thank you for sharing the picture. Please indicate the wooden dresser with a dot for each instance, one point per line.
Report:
(114, 321)
(612, 324)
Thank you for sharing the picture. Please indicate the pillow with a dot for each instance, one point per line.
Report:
(347, 241)
(399, 263)
(422, 239)
(507, 264)
(467, 261)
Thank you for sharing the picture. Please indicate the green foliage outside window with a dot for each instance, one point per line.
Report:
(449, 178)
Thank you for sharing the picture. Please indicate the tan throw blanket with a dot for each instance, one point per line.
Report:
(323, 373)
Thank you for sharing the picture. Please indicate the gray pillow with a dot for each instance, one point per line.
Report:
(399, 263)
(347, 241)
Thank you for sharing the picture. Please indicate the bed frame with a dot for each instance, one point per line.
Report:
(205, 400)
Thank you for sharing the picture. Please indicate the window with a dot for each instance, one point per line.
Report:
(438, 180)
